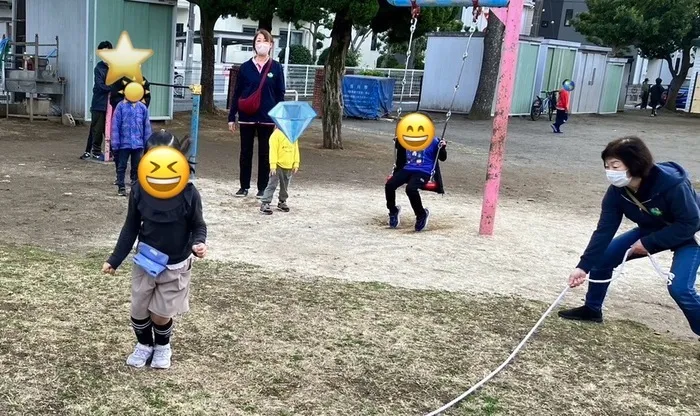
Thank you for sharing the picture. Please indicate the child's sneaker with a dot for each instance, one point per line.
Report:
(422, 222)
(121, 192)
(395, 219)
(86, 156)
(265, 209)
(241, 193)
(141, 355)
(282, 206)
(161, 356)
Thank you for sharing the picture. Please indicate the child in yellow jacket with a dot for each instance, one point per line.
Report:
(284, 161)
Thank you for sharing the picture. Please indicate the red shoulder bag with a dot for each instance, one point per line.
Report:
(250, 105)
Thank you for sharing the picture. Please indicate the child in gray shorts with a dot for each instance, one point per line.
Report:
(174, 227)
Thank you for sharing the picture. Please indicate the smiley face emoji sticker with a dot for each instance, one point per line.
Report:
(163, 172)
(415, 132)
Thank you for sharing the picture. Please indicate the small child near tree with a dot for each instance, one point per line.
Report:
(175, 227)
(131, 127)
(563, 106)
(284, 162)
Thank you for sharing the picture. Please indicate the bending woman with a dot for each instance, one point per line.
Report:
(266, 75)
(660, 199)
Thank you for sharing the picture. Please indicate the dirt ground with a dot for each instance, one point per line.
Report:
(550, 196)
(551, 191)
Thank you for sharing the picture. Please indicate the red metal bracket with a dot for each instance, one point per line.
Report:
(415, 9)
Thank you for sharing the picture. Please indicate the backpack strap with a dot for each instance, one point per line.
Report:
(640, 205)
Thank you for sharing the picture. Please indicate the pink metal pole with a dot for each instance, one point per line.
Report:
(108, 132)
(509, 59)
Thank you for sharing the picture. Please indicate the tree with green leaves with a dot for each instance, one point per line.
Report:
(210, 11)
(656, 28)
(298, 55)
(396, 22)
(346, 14)
(308, 17)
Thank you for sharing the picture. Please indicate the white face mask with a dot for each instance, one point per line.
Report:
(618, 178)
(262, 48)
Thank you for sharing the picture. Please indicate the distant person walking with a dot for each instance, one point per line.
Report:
(655, 94)
(259, 87)
(98, 110)
(562, 106)
(645, 94)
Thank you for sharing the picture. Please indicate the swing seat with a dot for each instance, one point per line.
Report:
(431, 186)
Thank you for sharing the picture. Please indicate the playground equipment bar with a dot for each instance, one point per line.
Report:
(451, 3)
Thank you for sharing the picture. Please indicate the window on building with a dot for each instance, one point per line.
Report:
(375, 42)
(180, 29)
(297, 38)
(249, 30)
(568, 16)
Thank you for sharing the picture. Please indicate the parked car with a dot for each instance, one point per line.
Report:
(680, 98)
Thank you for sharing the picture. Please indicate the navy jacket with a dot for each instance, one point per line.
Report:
(248, 80)
(402, 157)
(668, 195)
(100, 90)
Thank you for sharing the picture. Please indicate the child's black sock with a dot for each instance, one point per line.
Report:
(163, 332)
(142, 329)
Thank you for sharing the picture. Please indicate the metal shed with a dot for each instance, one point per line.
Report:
(542, 66)
(82, 24)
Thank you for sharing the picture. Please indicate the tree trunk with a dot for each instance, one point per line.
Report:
(678, 79)
(208, 57)
(266, 23)
(341, 36)
(488, 78)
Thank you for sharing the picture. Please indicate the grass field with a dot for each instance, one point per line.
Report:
(259, 344)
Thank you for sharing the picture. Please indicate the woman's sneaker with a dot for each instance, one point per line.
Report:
(140, 356)
(582, 313)
(161, 356)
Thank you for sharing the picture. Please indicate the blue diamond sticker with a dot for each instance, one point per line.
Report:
(292, 117)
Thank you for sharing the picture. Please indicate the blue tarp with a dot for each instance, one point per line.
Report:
(367, 97)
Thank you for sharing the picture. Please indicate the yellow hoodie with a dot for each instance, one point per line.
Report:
(283, 153)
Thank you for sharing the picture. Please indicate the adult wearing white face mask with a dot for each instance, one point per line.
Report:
(259, 87)
(661, 200)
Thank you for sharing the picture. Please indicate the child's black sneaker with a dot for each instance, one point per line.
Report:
(395, 219)
(241, 193)
(282, 206)
(259, 195)
(121, 192)
(582, 313)
(422, 222)
(265, 209)
(86, 156)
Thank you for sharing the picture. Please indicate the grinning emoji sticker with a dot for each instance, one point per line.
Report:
(415, 132)
(163, 172)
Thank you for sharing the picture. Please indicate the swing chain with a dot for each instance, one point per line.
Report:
(476, 12)
(415, 12)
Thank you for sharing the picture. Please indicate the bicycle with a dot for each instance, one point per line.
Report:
(179, 80)
(549, 103)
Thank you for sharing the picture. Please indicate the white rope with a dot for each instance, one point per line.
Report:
(619, 272)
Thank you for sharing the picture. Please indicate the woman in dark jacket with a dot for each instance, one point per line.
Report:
(660, 199)
(262, 72)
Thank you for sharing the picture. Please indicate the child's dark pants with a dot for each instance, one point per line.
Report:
(562, 116)
(414, 182)
(123, 156)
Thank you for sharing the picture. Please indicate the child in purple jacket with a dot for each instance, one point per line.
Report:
(131, 128)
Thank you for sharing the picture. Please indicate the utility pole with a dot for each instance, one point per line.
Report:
(189, 46)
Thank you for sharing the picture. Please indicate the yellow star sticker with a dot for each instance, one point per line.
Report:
(124, 60)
